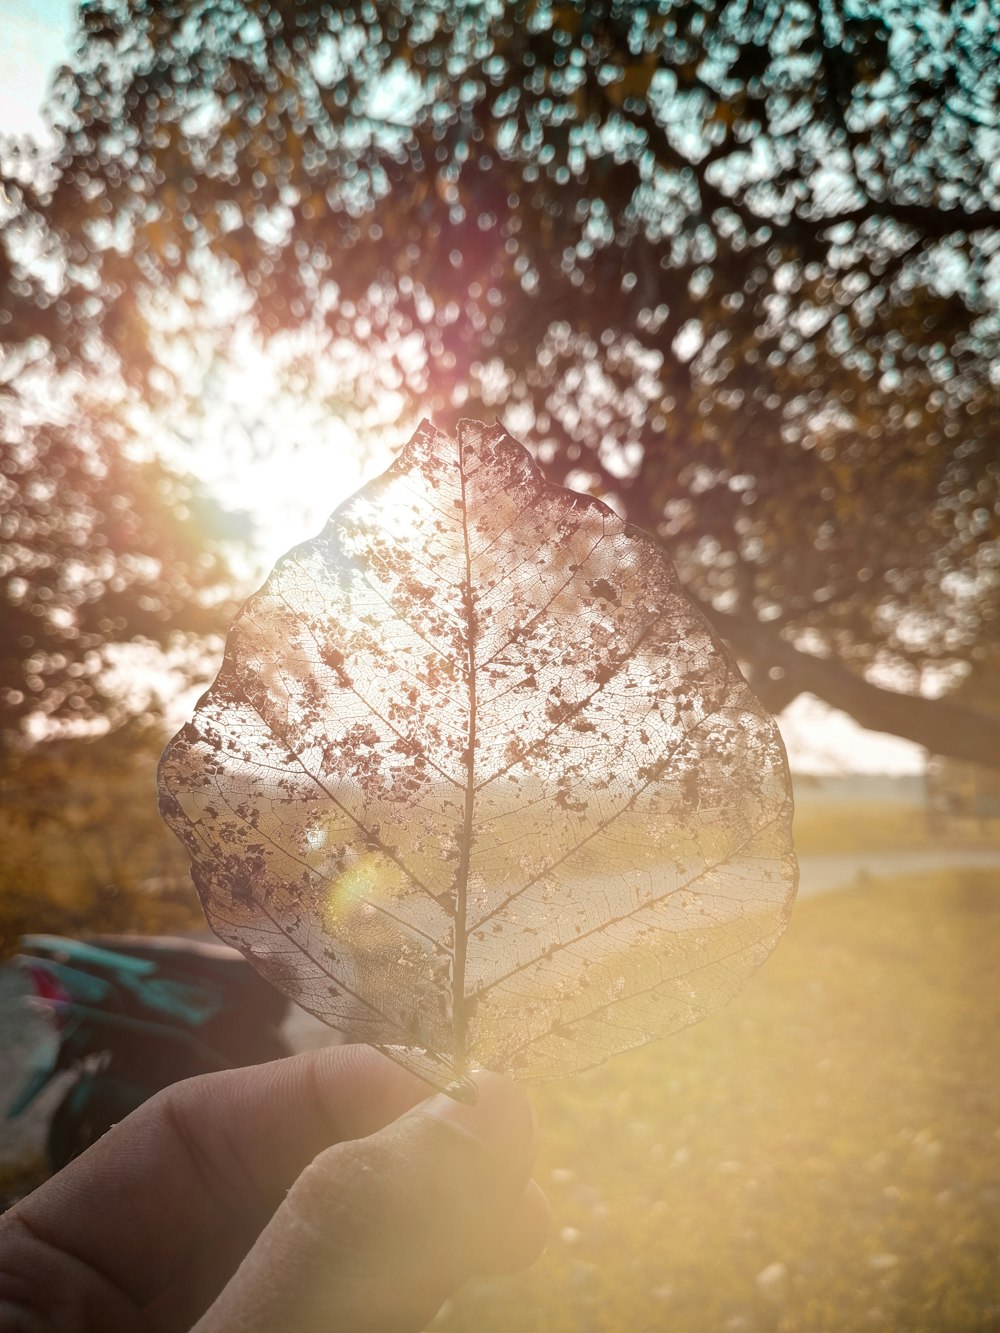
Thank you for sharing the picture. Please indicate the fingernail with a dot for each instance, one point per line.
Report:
(502, 1119)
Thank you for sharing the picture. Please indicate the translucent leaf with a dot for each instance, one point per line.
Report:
(476, 783)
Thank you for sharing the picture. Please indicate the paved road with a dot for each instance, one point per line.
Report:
(24, 1035)
(821, 874)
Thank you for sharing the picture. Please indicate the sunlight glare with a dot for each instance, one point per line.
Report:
(274, 446)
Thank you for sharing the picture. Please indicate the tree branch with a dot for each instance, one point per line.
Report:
(939, 725)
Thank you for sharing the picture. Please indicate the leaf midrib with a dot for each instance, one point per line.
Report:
(458, 1005)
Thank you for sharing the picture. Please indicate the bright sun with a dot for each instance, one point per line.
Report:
(268, 443)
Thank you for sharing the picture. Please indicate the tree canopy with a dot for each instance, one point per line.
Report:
(731, 264)
(100, 547)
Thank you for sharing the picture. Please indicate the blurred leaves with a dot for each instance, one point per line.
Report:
(733, 267)
(99, 548)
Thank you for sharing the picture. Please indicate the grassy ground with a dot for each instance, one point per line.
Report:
(825, 827)
(822, 1155)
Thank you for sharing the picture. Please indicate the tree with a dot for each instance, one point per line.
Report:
(100, 549)
(731, 264)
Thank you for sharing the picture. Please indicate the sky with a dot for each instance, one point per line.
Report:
(35, 37)
(291, 502)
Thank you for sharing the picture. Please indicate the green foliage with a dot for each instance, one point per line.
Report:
(855, 1145)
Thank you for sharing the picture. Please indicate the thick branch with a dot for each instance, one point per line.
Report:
(941, 726)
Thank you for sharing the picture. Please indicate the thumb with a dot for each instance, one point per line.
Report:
(377, 1232)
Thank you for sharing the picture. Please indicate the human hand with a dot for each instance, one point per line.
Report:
(319, 1194)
